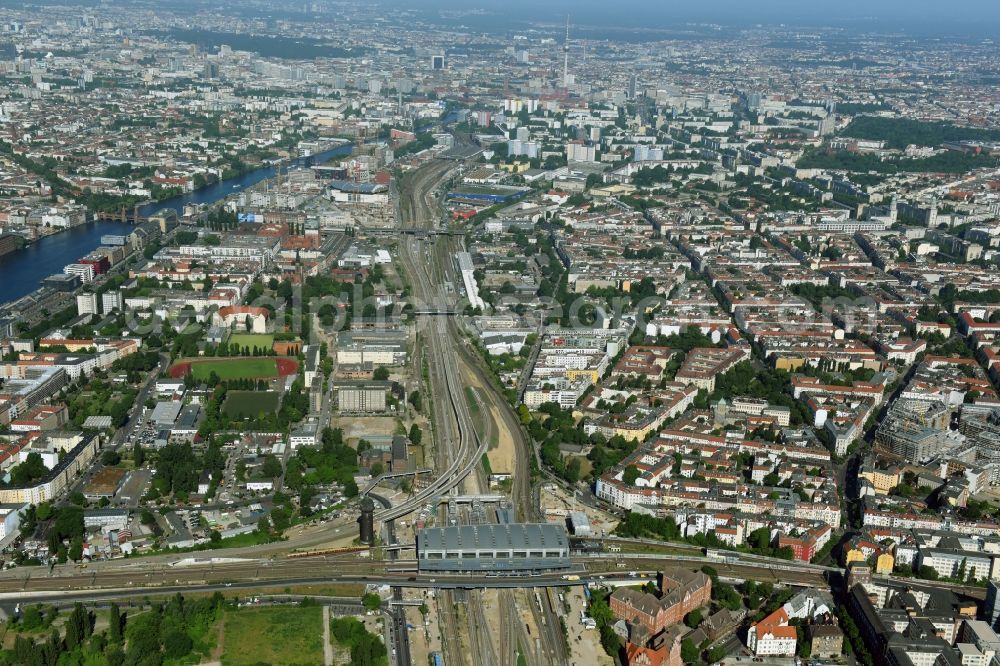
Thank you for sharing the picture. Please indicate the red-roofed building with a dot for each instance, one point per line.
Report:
(645, 360)
(176, 182)
(967, 325)
(803, 384)
(70, 344)
(239, 315)
(703, 364)
(805, 546)
(664, 649)
(306, 242)
(681, 592)
(41, 417)
(772, 636)
(903, 349)
(921, 327)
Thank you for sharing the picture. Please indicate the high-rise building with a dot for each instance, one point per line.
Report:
(631, 87)
(87, 304)
(111, 300)
(580, 152)
(515, 106)
(827, 125)
(437, 62)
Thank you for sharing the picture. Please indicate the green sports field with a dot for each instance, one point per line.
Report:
(243, 404)
(242, 368)
(253, 341)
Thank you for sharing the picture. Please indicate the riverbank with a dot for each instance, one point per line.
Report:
(22, 271)
(223, 188)
(43, 232)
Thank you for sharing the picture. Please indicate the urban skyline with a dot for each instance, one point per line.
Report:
(536, 333)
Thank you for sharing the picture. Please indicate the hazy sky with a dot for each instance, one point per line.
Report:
(975, 14)
(975, 18)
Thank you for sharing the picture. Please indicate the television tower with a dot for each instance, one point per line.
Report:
(566, 56)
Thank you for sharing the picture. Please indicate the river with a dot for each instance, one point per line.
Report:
(22, 271)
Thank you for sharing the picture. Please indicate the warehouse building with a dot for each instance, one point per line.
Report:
(511, 547)
(357, 348)
(361, 400)
(367, 397)
(165, 413)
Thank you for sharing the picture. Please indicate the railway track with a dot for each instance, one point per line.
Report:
(518, 638)
(451, 644)
(459, 445)
(479, 630)
(496, 415)
(457, 453)
(464, 457)
(522, 492)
